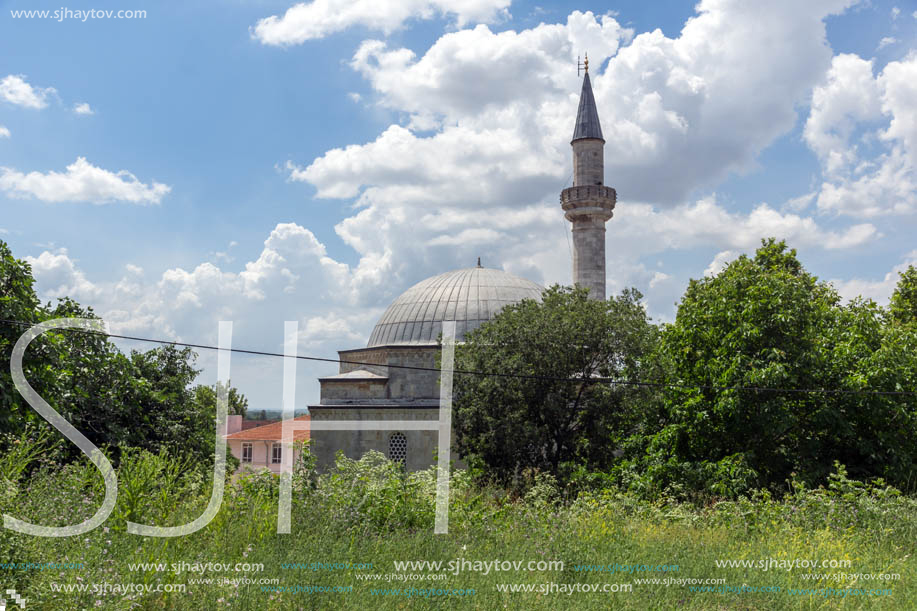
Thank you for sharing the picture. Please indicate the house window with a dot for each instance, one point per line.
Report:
(246, 451)
(397, 447)
(276, 453)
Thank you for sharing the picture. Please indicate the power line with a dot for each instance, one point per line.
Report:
(594, 380)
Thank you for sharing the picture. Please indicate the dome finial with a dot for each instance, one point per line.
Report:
(479, 261)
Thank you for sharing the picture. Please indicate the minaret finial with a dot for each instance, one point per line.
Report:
(479, 261)
(586, 63)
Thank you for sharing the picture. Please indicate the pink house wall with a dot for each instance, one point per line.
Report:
(261, 455)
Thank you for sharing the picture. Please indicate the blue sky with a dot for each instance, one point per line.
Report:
(265, 161)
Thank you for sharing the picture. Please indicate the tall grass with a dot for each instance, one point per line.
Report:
(370, 511)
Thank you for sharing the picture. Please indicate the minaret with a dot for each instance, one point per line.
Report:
(588, 204)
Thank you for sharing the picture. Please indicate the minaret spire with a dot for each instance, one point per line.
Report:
(587, 116)
(588, 204)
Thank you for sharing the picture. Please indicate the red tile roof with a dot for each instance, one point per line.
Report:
(271, 432)
(250, 424)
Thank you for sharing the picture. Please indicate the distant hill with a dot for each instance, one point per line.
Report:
(272, 414)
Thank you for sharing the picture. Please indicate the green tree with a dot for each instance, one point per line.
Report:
(742, 342)
(903, 306)
(142, 399)
(93, 381)
(874, 435)
(559, 417)
(206, 399)
(20, 309)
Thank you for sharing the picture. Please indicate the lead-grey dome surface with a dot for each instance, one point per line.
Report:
(468, 296)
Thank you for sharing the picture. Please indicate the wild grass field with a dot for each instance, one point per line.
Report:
(370, 512)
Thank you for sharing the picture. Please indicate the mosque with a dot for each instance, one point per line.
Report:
(407, 333)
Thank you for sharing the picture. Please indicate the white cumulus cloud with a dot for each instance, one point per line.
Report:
(880, 290)
(899, 85)
(886, 41)
(4, 132)
(849, 95)
(82, 182)
(83, 108)
(476, 166)
(15, 90)
(61, 276)
(706, 222)
(857, 183)
(720, 261)
(658, 278)
(292, 278)
(306, 21)
(467, 72)
(690, 109)
(879, 187)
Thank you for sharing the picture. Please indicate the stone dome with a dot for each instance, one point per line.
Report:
(468, 296)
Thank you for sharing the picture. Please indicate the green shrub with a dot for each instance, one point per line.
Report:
(377, 492)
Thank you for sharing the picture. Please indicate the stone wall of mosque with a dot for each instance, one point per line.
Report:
(408, 384)
(416, 447)
(337, 391)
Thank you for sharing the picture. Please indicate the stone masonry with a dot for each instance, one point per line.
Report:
(588, 204)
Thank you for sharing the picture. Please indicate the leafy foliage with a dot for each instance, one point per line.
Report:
(18, 302)
(740, 338)
(376, 492)
(557, 417)
(903, 306)
(205, 397)
(136, 400)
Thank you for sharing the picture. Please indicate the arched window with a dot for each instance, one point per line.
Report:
(397, 447)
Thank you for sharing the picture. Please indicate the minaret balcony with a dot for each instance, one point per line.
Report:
(596, 200)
